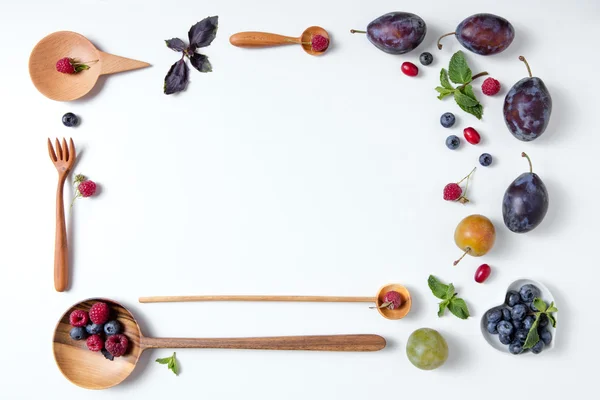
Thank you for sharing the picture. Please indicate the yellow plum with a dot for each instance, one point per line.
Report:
(475, 235)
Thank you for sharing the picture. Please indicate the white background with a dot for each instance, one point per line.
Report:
(282, 173)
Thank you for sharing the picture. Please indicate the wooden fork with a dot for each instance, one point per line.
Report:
(63, 158)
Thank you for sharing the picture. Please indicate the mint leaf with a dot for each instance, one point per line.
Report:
(443, 92)
(458, 307)
(459, 71)
(163, 360)
(477, 111)
(463, 100)
(449, 292)
(444, 80)
(437, 288)
(171, 363)
(468, 91)
(532, 336)
(540, 304)
(552, 308)
(552, 320)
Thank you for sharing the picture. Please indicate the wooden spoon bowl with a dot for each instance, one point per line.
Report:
(397, 313)
(67, 87)
(91, 370)
(307, 36)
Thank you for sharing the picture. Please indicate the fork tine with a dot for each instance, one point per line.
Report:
(51, 151)
(72, 155)
(58, 150)
(65, 149)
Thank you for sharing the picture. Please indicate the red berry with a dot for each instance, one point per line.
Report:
(78, 318)
(393, 300)
(319, 43)
(117, 345)
(94, 343)
(65, 66)
(99, 313)
(87, 188)
(471, 135)
(490, 87)
(410, 69)
(482, 273)
(452, 192)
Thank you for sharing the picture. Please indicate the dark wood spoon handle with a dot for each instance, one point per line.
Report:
(317, 343)
(261, 39)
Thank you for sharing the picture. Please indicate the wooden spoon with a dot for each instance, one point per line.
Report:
(398, 313)
(91, 370)
(67, 87)
(264, 39)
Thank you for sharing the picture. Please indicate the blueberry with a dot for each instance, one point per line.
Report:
(447, 120)
(521, 335)
(94, 329)
(505, 339)
(485, 159)
(506, 314)
(491, 327)
(112, 328)
(528, 322)
(512, 298)
(515, 347)
(529, 292)
(504, 328)
(519, 312)
(533, 308)
(426, 58)
(546, 336)
(77, 333)
(494, 315)
(517, 324)
(70, 120)
(538, 347)
(543, 321)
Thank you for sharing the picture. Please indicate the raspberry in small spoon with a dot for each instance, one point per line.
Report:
(68, 65)
(392, 300)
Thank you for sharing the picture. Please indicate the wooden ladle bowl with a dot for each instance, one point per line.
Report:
(67, 87)
(397, 313)
(264, 39)
(91, 370)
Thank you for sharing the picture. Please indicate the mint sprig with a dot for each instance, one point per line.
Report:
(533, 337)
(456, 305)
(171, 363)
(460, 73)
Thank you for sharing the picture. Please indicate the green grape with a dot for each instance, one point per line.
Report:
(427, 349)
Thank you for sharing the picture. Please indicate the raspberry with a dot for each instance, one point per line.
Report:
(99, 313)
(94, 343)
(78, 318)
(452, 192)
(319, 43)
(87, 188)
(392, 300)
(117, 345)
(490, 87)
(65, 66)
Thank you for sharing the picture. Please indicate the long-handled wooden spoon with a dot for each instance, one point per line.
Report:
(378, 300)
(67, 87)
(63, 158)
(264, 39)
(92, 371)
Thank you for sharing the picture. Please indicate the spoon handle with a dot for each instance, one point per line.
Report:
(314, 299)
(261, 39)
(111, 64)
(317, 343)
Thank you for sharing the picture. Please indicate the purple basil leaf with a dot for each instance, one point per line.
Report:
(176, 44)
(203, 33)
(177, 77)
(200, 62)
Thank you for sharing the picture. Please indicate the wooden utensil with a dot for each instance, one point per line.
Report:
(264, 39)
(378, 300)
(63, 158)
(67, 87)
(92, 371)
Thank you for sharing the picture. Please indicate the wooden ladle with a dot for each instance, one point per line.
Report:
(67, 87)
(91, 370)
(264, 39)
(397, 313)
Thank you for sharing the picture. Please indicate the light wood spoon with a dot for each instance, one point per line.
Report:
(264, 39)
(92, 371)
(67, 87)
(63, 158)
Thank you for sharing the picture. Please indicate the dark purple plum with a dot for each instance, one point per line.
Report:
(396, 32)
(484, 34)
(527, 107)
(525, 202)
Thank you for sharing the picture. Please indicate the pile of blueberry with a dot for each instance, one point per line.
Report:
(513, 321)
(100, 333)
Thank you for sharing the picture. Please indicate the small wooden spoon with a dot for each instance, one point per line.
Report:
(67, 87)
(91, 370)
(378, 300)
(264, 39)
